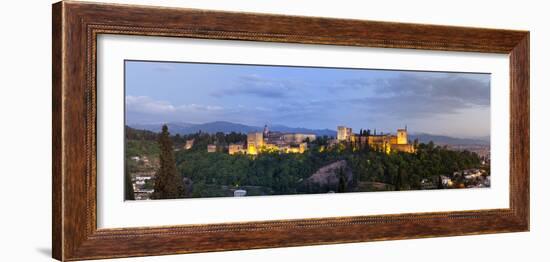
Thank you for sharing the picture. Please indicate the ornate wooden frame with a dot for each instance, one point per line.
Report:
(76, 26)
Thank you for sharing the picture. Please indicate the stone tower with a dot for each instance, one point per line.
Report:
(402, 136)
(344, 133)
(254, 141)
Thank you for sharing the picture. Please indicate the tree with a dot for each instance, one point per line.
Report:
(168, 184)
(128, 187)
(342, 180)
(398, 180)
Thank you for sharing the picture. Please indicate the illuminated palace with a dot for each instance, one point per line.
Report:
(384, 142)
(269, 141)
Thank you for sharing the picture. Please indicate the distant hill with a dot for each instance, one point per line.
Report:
(173, 127)
(447, 140)
(227, 127)
(214, 127)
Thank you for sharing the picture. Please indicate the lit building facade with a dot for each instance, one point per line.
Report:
(344, 133)
(236, 149)
(402, 136)
(383, 142)
(254, 142)
(298, 138)
(268, 141)
(211, 148)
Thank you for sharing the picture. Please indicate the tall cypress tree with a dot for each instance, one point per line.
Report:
(168, 184)
(342, 180)
(128, 187)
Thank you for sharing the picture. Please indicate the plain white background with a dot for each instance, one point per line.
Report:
(25, 136)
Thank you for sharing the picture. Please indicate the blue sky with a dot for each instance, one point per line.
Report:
(456, 104)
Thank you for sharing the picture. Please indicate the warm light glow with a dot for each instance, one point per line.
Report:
(252, 150)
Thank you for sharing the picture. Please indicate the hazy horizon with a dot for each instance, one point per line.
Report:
(439, 103)
(273, 127)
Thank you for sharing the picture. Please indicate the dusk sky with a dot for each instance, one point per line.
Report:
(454, 104)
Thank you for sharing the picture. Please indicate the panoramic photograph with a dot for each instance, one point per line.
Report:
(200, 130)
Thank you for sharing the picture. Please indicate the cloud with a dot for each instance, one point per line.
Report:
(254, 85)
(469, 89)
(417, 95)
(407, 106)
(144, 104)
(353, 84)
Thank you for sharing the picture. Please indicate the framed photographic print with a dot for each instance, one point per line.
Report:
(182, 130)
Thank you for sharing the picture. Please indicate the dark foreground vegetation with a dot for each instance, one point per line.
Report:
(195, 172)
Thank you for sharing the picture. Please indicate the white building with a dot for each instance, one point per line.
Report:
(446, 181)
(239, 193)
(189, 144)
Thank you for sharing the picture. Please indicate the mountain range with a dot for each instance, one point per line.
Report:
(228, 127)
(447, 140)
